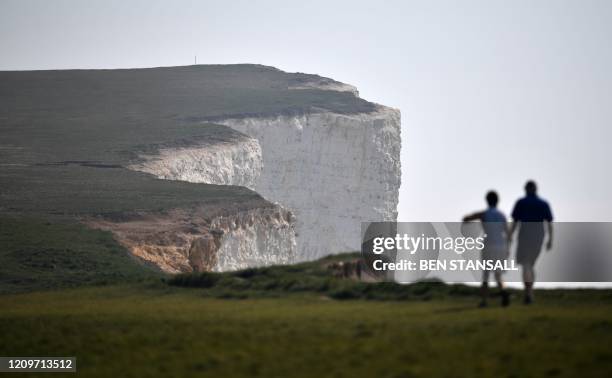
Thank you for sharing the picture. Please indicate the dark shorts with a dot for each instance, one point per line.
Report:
(530, 239)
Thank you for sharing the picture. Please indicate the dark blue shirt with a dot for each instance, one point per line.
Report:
(531, 208)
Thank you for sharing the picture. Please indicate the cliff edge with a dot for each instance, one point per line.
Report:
(200, 168)
(332, 170)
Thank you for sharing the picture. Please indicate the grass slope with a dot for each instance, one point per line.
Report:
(161, 331)
(80, 191)
(310, 277)
(41, 255)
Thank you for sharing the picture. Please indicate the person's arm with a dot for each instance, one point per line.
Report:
(516, 215)
(472, 217)
(549, 220)
(549, 243)
(508, 238)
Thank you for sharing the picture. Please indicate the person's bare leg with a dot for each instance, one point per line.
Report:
(498, 279)
(484, 289)
(528, 279)
(500, 285)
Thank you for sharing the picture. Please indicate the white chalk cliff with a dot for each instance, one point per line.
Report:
(237, 162)
(331, 170)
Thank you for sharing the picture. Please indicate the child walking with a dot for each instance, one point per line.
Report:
(495, 245)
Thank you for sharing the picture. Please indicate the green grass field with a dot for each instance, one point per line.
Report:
(153, 330)
(38, 254)
(67, 290)
(298, 320)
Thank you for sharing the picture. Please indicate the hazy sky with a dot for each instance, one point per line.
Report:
(491, 92)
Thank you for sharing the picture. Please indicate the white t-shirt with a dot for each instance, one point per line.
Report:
(494, 225)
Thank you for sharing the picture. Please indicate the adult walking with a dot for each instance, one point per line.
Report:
(530, 215)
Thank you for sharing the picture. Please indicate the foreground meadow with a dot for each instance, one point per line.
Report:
(151, 329)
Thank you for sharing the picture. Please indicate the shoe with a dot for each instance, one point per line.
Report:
(483, 304)
(505, 302)
(527, 300)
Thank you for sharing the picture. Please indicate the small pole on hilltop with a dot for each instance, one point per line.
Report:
(195, 59)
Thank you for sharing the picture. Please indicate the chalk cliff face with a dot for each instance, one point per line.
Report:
(333, 170)
(206, 238)
(228, 162)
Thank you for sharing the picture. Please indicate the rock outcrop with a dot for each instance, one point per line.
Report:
(206, 238)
